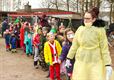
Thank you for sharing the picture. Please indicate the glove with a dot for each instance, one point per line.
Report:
(68, 64)
(108, 72)
(48, 64)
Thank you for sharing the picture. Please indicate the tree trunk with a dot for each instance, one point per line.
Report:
(56, 4)
(67, 5)
(77, 5)
(82, 9)
(98, 3)
(91, 3)
(86, 3)
(94, 3)
(111, 13)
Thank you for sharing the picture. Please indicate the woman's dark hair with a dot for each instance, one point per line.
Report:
(94, 12)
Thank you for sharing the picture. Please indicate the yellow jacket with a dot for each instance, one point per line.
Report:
(47, 51)
(90, 49)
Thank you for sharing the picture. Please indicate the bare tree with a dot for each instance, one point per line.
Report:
(86, 4)
(55, 3)
(46, 4)
(112, 11)
(77, 5)
(98, 3)
(91, 3)
(82, 8)
(67, 5)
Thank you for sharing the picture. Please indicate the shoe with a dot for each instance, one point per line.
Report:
(47, 76)
(7, 50)
(27, 55)
(36, 67)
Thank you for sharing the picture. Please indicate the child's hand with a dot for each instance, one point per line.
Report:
(59, 61)
(48, 64)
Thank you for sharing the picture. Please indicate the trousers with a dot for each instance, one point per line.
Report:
(55, 68)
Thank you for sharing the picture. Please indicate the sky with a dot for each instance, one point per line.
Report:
(35, 3)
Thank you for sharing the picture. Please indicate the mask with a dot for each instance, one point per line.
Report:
(88, 24)
(70, 36)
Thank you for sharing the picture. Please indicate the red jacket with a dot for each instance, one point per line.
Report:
(36, 40)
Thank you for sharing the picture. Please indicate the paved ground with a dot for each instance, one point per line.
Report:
(19, 67)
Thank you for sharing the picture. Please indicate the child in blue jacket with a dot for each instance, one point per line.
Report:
(69, 34)
(13, 41)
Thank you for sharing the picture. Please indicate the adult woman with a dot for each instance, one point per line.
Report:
(90, 49)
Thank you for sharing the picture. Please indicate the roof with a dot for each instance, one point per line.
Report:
(48, 12)
(44, 10)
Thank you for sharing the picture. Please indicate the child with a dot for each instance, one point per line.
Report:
(13, 41)
(28, 43)
(7, 38)
(43, 39)
(52, 51)
(60, 35)
(36, 43)
(69, 34)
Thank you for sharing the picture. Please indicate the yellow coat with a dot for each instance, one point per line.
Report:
(48, 54)
(91, 52)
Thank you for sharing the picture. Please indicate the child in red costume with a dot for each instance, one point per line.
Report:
(22, 37)
(52, 51)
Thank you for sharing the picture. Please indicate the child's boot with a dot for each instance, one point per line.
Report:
(35, 64)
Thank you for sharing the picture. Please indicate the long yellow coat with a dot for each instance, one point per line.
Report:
(91, 52)
(47, 51)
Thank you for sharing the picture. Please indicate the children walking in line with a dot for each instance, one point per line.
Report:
(52, 51)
